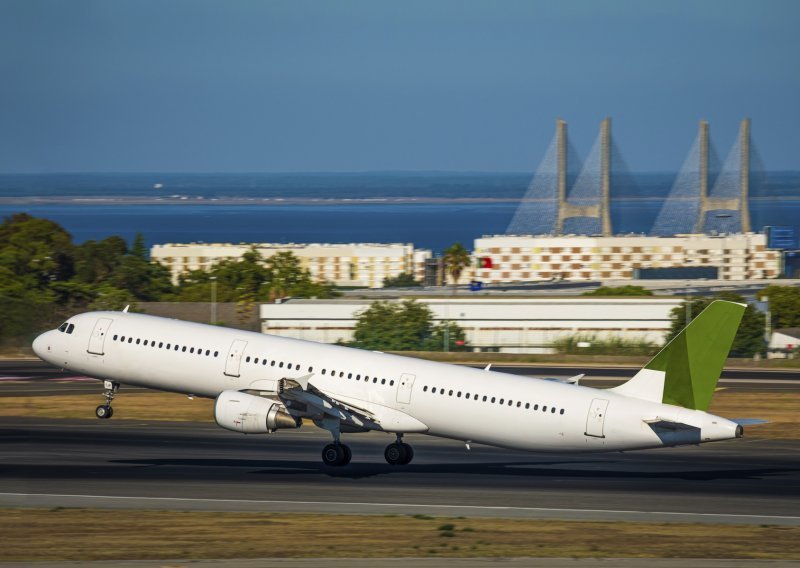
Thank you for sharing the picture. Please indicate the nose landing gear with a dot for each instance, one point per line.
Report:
(104, 411)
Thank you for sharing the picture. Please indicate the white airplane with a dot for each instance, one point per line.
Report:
(263, 383)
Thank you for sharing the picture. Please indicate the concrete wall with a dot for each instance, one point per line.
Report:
(524, 325)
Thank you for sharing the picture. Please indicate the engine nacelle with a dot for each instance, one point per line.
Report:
(242, 412)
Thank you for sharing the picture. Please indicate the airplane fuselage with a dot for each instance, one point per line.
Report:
(401, 394)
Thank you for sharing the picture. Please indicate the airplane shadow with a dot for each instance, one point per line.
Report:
(517, 469)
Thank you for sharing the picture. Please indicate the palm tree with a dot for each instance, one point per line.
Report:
(456, 259)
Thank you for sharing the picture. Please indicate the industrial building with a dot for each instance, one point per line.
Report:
(356, 264)
(519, 325)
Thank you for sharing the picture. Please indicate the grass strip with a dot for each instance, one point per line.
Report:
(95, 534)
(780, 408)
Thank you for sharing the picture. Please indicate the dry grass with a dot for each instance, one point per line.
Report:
(133, 406)
(780, 408)
(87, 534)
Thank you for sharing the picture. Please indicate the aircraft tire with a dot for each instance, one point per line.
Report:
(409, 454)
(103, 412)
(336, 455)
(395, 454)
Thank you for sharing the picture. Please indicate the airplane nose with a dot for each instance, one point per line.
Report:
(41, 345)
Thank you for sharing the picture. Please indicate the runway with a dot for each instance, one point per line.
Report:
(193, 466)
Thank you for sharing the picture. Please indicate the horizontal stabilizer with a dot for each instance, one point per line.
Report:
(749, 421)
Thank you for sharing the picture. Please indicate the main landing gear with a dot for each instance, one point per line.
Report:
(336, 454)
(398, 452)
(104, 411)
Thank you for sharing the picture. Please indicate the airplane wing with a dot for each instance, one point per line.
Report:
(304, 397)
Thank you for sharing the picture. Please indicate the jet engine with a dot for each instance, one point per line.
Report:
(242, 412)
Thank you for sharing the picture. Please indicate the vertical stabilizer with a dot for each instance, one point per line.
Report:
(685, 372)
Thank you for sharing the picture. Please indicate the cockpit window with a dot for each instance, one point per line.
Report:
(63, 327)
(71, 328)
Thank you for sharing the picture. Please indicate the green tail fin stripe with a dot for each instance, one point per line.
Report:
(693, 360)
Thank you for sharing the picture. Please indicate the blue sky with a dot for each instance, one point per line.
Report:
(260, 86)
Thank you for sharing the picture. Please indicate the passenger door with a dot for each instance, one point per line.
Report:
(234, 359)
(406, 382)
(98, 337)
(596, 418)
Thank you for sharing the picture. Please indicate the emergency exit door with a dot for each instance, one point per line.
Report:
(595, 421)
(98, 338)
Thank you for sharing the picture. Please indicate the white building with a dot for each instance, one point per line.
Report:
(784, 342)
(357, 264)
(524, 325)
(527, 258)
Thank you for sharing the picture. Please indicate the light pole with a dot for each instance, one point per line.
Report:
(213, 300)
(688, 303)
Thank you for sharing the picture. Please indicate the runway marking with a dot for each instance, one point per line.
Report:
(411, 505)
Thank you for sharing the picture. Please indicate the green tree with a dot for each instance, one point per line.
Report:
(96, 261)
(784, 305)
(627, 290)
(145, 280)
(251, 279)
(402, 280)
(403, 326)
(749, 338)
(456, 259)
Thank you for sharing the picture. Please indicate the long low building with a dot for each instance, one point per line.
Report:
(510, 258)
(524, 325)
(356, 264)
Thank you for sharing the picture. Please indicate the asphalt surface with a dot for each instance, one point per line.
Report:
(193, 466)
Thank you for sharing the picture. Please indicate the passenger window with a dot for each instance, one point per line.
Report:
(349, 375)
(536, 407)
(115, 338)
(484, 398)
(311, 369)
(544, 409)
(383, 381)
(264, 362)
(255, 360)
(137, 341)
(216, 353)
(493, 399)
(502, 401)
(130, 340)
(358, 377)
(208, 352)
(553, 410)
(562, 411)
(510, 403)
(391, 383)
(247, 359)
(272, 363)
(178, 347)
(191, 350)
(341, 374)
(450, 393)
(425, 388)
(323, 371)
(183, 349)
(433, 390)
(476, 397)
(145, 343)
(280, 364)
(160, 344)
(458, 394)
(527, 405)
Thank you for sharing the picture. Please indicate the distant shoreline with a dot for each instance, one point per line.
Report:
(79, 200)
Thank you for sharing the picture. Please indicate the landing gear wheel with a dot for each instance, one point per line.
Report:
(103, 412)
(396, 454)
(336, 455)
(409, 454)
